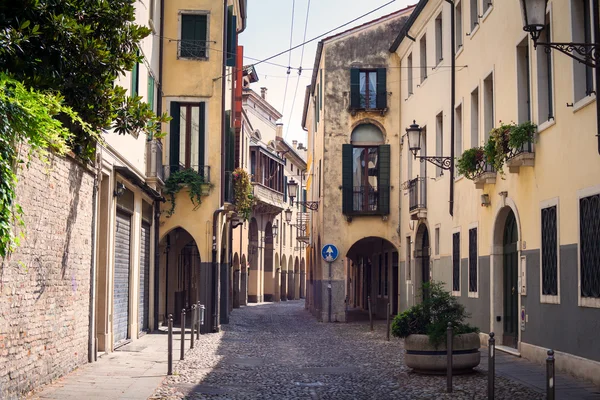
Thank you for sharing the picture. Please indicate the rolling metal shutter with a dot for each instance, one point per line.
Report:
(121, 281)
(144, 278)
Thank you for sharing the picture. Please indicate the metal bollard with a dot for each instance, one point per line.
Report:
(550, 378)
(491, 365)
(449, 353)
(389, 310)
(370, 312)
(193, 326)
(182, 347)
(198, 320)
(170, 348)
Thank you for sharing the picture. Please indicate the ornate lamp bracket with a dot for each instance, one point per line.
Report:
(441, 162)
(586, 53)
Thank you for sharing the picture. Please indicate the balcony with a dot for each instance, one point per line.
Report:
(268, 200)
(368, 200)
(417, 193)
(485, 174)
(522, 157)
(202, 170)
(154, 168)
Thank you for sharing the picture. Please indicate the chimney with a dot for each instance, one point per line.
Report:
(294, 144)
(263, 92)
(279, 130)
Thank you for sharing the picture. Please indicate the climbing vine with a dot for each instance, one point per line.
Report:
(243, 193)
(28, 120)
(189, 179)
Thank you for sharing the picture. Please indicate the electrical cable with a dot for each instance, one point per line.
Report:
(289, 57)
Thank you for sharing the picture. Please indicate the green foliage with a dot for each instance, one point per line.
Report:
(431, 317)
(243, 193)
(521, 134)
(185, 179)
(467, 164)
(78, 48)
(27, 117)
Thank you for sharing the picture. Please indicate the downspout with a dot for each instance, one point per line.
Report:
(597, 41)
(223, 88)
(92, 313)
(215, 275)
(452, 102)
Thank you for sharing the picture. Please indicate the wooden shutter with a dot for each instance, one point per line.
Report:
(383, 180)
(231, 37)
(200, 36)
(201, 136)
(347, 189)
(193, 36)
(174, 137)
(381, 89)
(354, 88)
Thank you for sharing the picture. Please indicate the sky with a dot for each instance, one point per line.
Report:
(268, 31)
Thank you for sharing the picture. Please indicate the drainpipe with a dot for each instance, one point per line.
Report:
(597, 40)
(215, 275)
(452, 101)
(156, 261)
(223, 88)
(92, 319)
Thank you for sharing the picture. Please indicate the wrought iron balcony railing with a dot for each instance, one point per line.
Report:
(202, 170)
(154, 167)
(417, 193)
(526, 148)
(369, 200)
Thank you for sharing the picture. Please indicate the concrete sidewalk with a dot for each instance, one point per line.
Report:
(134, 371)
(534, 376)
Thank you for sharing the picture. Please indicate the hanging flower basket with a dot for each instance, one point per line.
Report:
(243, 193)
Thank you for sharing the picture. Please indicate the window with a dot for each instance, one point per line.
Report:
(474, 14)
(437, 240)
(366, 172)
(487, 4)
(268, 170)
(581, 22)
(458, 131)
(291, 233)
(488, 105)
(385, 275)
(589, 245)
(231, 38)
(409, 66)
(439, 140)
(458, 26)
(283, 230)
(549, 251)
(473, 260)
(439, 40)
(523, 81)
(320, 89)
(475, 118)
(368, 89)
(193, 36)
(423, 53)
(187, 136)
(380, 276)
(408, 259)
(544, 78)
(151, 85)
(456, 262)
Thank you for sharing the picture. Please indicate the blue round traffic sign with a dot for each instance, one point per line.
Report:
(329, 253)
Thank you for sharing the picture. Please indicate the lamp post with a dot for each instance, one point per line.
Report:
(534, 22)
(414, 133)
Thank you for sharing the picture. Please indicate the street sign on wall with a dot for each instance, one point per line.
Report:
(329, 253)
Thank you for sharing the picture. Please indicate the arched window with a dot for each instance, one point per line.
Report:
(366, 172)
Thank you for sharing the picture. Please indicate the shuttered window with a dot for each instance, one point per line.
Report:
(456, 262)
(187, 135)
(473, 260)
(193, 36)
(231, 37)
(368, 89)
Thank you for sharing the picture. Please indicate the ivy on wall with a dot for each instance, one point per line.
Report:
(189, 179)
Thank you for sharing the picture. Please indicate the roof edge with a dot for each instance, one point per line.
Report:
(411, 20)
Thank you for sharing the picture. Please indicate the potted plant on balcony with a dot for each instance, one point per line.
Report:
(521, 134)
(424, 326)
(243, 193)
(469, 162)
(189, 179)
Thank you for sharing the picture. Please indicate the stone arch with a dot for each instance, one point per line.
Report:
(277, 278)
(302, 279)
(236, 280)
(268, 284)
(283, 283)
(252, 265)
(296, 278)
(370, 121)
(290, 279)
(422, 265)
(243, 281)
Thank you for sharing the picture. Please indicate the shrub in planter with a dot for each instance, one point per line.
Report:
(431, 317)
(521, 134)
(187, 178)
(468, 163)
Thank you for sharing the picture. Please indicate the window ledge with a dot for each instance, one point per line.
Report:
(549, 299)
(545, 125)
(487, 12)
(474, 31)
(591, 302)
(473, 295)
(458, 178)
(587, 100)
(456, 293)
(459, 51)
(192, 58)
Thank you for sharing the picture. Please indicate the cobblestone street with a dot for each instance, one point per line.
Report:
(279, 351)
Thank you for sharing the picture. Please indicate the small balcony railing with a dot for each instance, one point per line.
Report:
(154, 167)
(521, 157)
(369, 200)
(202, 170)
(417, 193)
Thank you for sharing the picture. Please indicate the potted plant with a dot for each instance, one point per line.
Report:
(243, 193)
(521, 134)
(187, 178)
(468, 164)
(424, 328)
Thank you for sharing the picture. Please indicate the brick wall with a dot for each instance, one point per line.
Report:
(45, 286)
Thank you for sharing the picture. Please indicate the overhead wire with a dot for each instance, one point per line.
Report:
(289, 57)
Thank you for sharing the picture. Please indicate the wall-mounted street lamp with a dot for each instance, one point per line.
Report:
(288, 215)
(275, 229)
(292, 187)
(534, 22)
(414, 134)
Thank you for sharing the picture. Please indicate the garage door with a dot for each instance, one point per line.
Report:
(144, 278)
(121, 285)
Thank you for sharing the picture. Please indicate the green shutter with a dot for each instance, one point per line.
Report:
(347, 189)
(229, 148)
(231, 37)
(201, 135)
(193, 36)
(354, 88)
(151, 92)
(383, 179)
(317, 105)
(200, 27)
(321, 89)
(174, 137)
(304, 199)
(381, 89)
(285, 190)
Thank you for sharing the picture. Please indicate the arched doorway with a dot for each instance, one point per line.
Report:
(422, 273)
(290, 279)
(253, 269)
(243, 282)
(277, 278)
(268, 284)
(510, 277)
(297, 279)
(236, 281)
(302, 279)
(283, 284)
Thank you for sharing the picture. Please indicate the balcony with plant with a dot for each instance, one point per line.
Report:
(195, 181)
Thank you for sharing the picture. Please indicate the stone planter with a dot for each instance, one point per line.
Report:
(425, 358)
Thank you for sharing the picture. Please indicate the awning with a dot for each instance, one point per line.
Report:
(134, 178)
